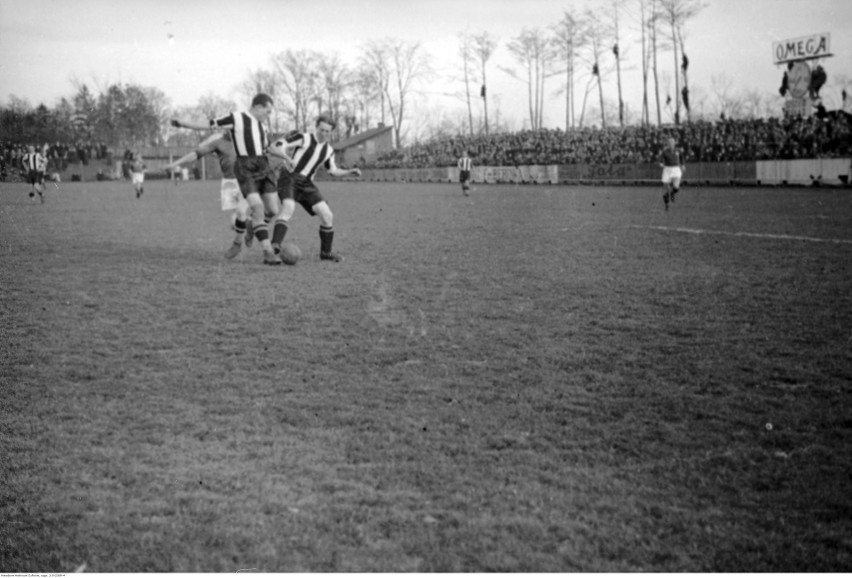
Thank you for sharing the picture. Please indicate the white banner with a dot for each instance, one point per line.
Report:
(802, 48)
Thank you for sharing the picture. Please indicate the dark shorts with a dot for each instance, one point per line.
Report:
(254, 175)
(35, 177)
(299, 188)
(464, 176)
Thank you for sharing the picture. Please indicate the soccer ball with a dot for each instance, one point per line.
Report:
(290, 253)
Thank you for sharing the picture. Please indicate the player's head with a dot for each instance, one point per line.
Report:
(325, 124)
(261, 106)
(670, 142)
(30, 148)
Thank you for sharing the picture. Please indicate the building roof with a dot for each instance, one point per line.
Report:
(361, 137)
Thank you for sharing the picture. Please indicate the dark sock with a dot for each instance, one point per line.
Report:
(261, 232)
(326, 239)
(239, 226)
(278, 232)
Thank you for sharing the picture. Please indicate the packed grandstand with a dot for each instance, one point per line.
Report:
(827, 135)
(819, 136)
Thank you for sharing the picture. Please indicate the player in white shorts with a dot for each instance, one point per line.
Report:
(137, 174)
(671, 161)
(220, 144)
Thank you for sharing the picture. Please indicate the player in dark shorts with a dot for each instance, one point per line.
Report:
(465, 165)
(251, 167)
(34, 163)
(303, 154)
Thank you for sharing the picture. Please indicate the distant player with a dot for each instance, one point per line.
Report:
(34, 165)
(137, 173)
(220, 144)
(303, 154)
(671, 160)
(465, 165)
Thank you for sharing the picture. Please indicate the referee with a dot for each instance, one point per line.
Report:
(251, 168)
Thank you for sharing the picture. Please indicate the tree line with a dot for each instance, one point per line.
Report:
(571, 58)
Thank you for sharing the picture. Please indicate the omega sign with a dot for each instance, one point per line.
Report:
(804, 48)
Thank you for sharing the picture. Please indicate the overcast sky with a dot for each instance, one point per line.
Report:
(189, 48)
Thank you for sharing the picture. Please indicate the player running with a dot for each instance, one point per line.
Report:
(137, 174)
(34, 163)
(465, 165)
(671, 161)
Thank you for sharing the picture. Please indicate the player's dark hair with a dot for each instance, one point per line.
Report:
(326, 119)
(261, 99)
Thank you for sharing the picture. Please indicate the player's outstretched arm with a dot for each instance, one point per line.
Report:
(184, 159)
(178, 123)
(335, 171)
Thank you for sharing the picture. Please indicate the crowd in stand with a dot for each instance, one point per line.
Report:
(822, 135)
(59, 155)
(819, 136)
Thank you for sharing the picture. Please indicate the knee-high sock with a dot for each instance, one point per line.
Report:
(279, 231)
(240, 230)
(326, 238)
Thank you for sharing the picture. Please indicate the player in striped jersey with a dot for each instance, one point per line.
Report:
(254, 175)
(219, 144)
(303, 154)
(465, 164)
(34, 164)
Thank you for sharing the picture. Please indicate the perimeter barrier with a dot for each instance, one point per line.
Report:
(807, 172)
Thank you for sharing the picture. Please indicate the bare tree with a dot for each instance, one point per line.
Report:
(400, 67)
(753, 104)
(334, 78)
(299, 78)
(644, 14)
(466, 54)
(535, 52)
(211, 105)
(363, 95)
(267, 82)
(568, 40)
(483, 45)
(598, 34)
(653, 25)
(730, 104)
(676, 13)
(375, 62)
(589, 87)
(617, 52)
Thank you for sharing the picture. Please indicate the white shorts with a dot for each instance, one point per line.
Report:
(232, 197)
(137, 178)
(671, 173)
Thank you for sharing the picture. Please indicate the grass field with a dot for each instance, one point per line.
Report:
(535, 378)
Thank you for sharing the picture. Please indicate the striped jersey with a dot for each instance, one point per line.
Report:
(465, 163)
(247, 133)
(309, 154)
(34, 162)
